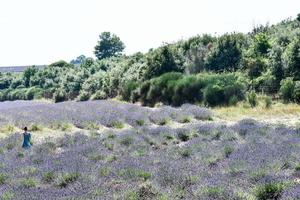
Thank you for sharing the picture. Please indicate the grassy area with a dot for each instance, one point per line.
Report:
(278, 112)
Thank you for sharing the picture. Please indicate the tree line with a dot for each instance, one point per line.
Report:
(212, 70)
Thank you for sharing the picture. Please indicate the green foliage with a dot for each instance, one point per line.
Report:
(213, 94)
(116, 124)
(183, 136)
(59, 96)
(268, 102)
(132, 173)
(48, 177)
(126, 141)
(228, 150)
(287, 87)
(177, 89)
(3, 178)
(266, 56)
(161, 61)
(297, 168)
(276, 65)
(127, 89)
(252, 99)
(7, 196)
(226, 54)
(261, 44)
(109, 45)
(296, 92)
(269, 191)
(213, 192)
(84, 96)
(28, 183)
(27, 74)
(67, 179)
(292, 59)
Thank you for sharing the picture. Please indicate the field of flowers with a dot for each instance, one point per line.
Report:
(124, 151)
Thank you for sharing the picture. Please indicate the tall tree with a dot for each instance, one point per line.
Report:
(226, 53)
(109, 45)
(292, 59)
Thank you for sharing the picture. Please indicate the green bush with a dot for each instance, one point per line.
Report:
(296, 93)
(233, 100)
(29, 183)
(99, 95)
(84, 96)
(48, 176)
(176, 89)
(67, 179)
(268, 102)
(3, 178)
(252, 99)
(214, 95)
(269, 191)
(33, 93)
(127, 89)
(287, 89)
(187, 90)
(59, 96)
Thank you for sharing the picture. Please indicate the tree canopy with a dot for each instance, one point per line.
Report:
(109, 45)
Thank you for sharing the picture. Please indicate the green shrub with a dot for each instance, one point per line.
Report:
(99, 95)
(140, 122)
(187, 90)
(252, 99)
(36, 127)
(8, 196)
(3, 178)
(287, 89)
(269, 191)
(185, 153)
(185, 119)
(297, 168)
(268, 102)
(29, 183)
(48, 177)
(214, 95)
(228, 150)
(127, 89)
(183, 136)
(20, 155)
(296, 92)
(68, 178)
(132, 173)
(104, 171)
(213, 192)
(116, 124)
(233, 101)
(33, 93)
(126, 141)
(83, 96)
(59, 96)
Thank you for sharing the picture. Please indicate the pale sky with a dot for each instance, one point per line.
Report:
(44, 31)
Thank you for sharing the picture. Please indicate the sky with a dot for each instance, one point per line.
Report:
(36, 32)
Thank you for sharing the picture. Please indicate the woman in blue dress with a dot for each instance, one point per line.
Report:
(27, 138)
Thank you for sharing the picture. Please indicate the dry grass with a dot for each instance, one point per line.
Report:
(287, 114)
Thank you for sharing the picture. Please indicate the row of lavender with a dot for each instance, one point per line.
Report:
(100, 112)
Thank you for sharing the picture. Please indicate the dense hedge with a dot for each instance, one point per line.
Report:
(176, 89)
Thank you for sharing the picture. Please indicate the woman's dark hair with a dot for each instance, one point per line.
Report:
(25, 128)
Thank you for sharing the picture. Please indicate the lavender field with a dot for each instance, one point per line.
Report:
(124, 151)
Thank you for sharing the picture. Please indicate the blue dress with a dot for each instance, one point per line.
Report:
(26, 141)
